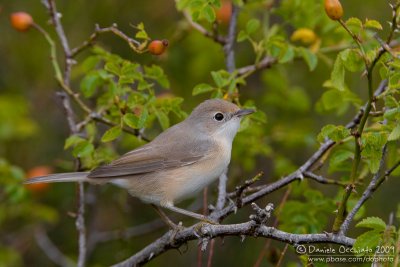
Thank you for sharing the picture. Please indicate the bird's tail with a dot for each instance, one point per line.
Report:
(59, 178)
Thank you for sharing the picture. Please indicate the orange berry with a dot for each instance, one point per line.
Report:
(333, 9)
(35, 172)
(157, 47)
(21, 21)
(224, 13)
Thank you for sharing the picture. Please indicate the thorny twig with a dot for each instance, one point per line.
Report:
(240, 189)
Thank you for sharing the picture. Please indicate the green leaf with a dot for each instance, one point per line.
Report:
(372, 143)
(143, 118)
(217, 77)
(367, 241)
(332, 99)
(335, 133)
(202, 88)
(83, 149)
(142, 34)
(111, 134)
(163, 119)
(395, 133)
(375, 223)
(337, 75)
(355, 24)
(113, 67)
(352, 60)
(157, 73)
(289, 54)
(72, 141)
(208, 13)
(373, 24)
(89, 84)
(90, 63)
(131, 120)
(339, 159)
(252, 26)
(310, 58)
(242, 36)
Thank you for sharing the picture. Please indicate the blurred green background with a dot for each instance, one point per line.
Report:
(33, 128)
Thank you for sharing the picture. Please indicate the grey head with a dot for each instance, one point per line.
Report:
(217, 118)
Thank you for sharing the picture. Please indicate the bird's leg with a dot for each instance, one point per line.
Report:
(190, 214)
(165, 218)
(175, 228)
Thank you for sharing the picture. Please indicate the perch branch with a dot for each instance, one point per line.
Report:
(251, 228)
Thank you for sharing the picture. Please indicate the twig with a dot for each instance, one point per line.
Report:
(265, 63)
(240, 189)
(278, 264)
(97, 31)
(323, 180)
(385, 46)
(211, 253)
(217, 38)
(55, 18)
(52, 252)
(357, 41)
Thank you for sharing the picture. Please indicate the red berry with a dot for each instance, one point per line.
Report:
(157, 47)
(21, 21)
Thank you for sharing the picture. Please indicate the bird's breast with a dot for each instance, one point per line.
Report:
(195, 177)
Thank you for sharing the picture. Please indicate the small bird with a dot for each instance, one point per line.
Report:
(177, 164)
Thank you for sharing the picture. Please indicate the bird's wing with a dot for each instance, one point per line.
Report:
(172, 151)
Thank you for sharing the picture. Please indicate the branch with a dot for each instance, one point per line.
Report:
(65, 83)
(217, 38)
(265, 63)
(251, 228)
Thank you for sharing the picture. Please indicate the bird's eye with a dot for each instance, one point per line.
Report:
(219, 116)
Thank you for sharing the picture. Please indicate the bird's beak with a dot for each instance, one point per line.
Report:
(243, 112)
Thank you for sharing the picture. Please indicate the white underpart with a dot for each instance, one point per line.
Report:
(198, 180)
